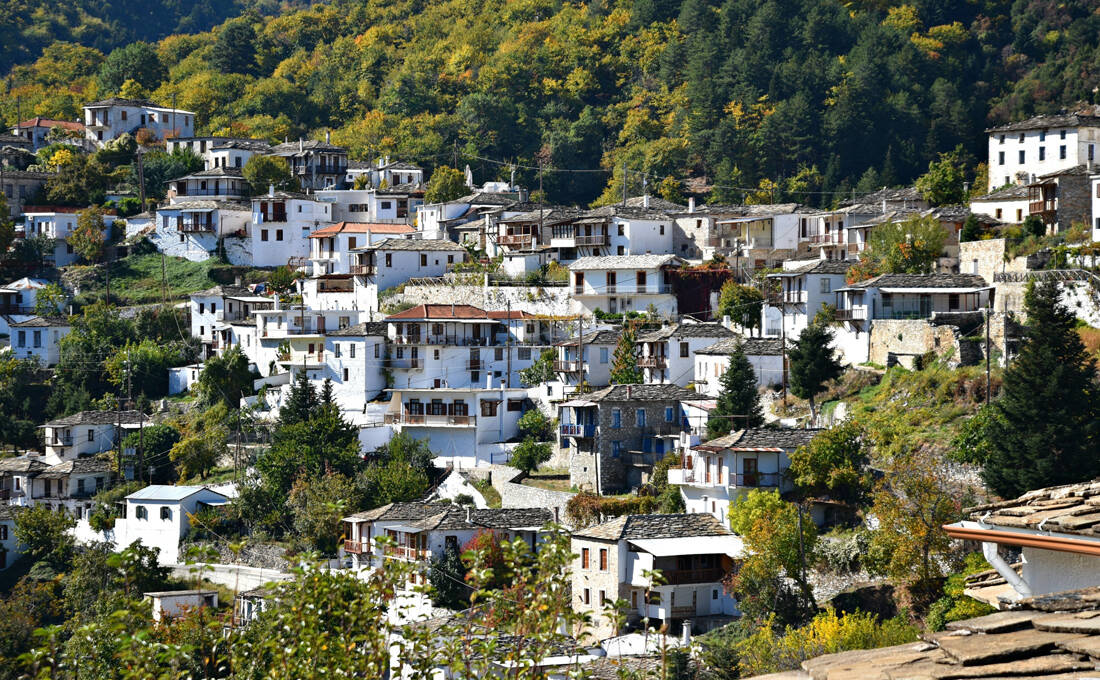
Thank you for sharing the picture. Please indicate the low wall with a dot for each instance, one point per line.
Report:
(235, 576)
(553, 300)
(515, 495)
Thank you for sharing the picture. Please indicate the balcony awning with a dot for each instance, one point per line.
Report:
(692, 545)
(742, 220)
(903, 291)
(249, 298)
(578, 403)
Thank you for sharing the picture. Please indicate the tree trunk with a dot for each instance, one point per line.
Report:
(813, 412)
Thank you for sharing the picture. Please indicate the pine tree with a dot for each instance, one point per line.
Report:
(301, 403)
(739, 401)
(812, 364)
(624, 364)
(327, 398)
(1044, 429)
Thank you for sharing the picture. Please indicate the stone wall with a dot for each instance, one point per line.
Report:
(506, 480)
(959, 337)
(551, 300)
(1074, 201)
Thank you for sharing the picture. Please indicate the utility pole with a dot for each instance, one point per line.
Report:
(508, 348)
(987, 356)
(141, 446)
(237, 454)
(107, 272)
(580, 347)
(783, 346)
(624, 184)
(141, 178)
(163, 278)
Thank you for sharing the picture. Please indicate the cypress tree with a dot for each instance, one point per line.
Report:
(812, 364)
(1044, 426)
(739, 401)
(624, 363)
(300, 403)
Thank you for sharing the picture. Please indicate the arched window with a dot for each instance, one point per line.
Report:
(165, 512)
(142, 513)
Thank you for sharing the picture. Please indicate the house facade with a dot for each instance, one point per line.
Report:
(586, 359)
(627, 283)
(215, 184)
(107, 119)
(615, 560)
(1022, 151)
(69, 486)
(195, 229)
(331, 246)
(316, 165)
(158, 516)
(667, 353)
(802, 288)
(394, 261)
(716, 473)
(59, 223)
(10, 547)
(39, 338)
(765, 355)
(87, 433)
(910, 296)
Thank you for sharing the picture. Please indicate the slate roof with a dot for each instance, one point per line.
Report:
(1075, 170)
(1054, 636)
(224, 290)
(415, 244)
(635, 527)
(236, 173)
(633, 393)
(401, 189)
(922, 281)
(400, 165)
(487, 198)
(1044, 121)
(624, 262)
(510, 518)
(549, 215)
(686, 330)
(122, 101)
(761, 438)
(42, 322)
(21, 465)
(1069, 509)
(750, 346)
(8, 512)
(816, 267)
(99, 418)
(402, 511)
(902, 195)
(637, 212)
(247, 144)
(360, 330)
(1012, 192)
(446, 516)
(608, 336)
(291, 148)
(75, 467)
(207, 205)
(655, 203)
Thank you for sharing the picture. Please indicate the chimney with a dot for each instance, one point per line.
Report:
(489, 380)
(469, 515)
(236, 280)
(556, 515)
(883, 200)
(691, 204)
(645, 200)
(271, 190)
(685, 637)
(301, 145)
(328, 136)
(628, 391)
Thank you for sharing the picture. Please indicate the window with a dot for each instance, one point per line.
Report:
(141, 512)
(1092, 150)
(336, 349)
(450, 259)
(80, 486)
(1042, 153)
(123, 112)
(389, 259)
(1000, 158)
(685, 351)
(603, 598)
(202, 331)
(345, 375)
(670, 414)
(166, 513)
(587, 595)
(1061, 134)
(997, 213)
(498, 354)
(1019, 214)
(278, 234)
(1002, 139)
(584, 558)
(515, 405)
(22, 338)
(202, 307)
(91, 435)
(1021, 138)
(263, 234)
(616, 449)
(639, 417)
(351, 349)
(523, 353)
(714, 594)
(603, 559)
(620, 251)
(1062, 152)
(603, 355)
(662, 232)
(489, 408)
(385, 205)
(1022, 155)
(622, 229)
(1042, 136)
(826, 285)
(3, 532)
(423, 259)
(351, 242)
(616, 418)
(377, 350)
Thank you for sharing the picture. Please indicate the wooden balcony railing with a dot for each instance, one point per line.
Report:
(652, 362)
(568, 366)
(593, 240)
(364, 269)
(683, 576)
(430, 419)
(355, 547)
(405, 552)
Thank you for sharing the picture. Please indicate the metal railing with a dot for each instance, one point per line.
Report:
(568, 366)
(475, 365)
(593, 240)
(364, 269)
(681, 576)
(852, 314)
(440, 340)
(826, 239)
(574, 430)
(429, 419)
(405, 363)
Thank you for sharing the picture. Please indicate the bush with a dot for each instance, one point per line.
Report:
(586, 508)
(842, 552)
(955, 605)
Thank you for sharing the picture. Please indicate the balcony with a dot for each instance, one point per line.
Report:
(594, 240)
(756, 480)
(663, 428)
(652, 362)
(574, 430)
(832, 238)
(411, 363)
(59, 441)
(578, 290)
(442, 420)
(440, 340)
(678, 577)
(355, 547)
(475, 365)
(364, 269)
(517, 240)
(569, 366)
(787, 297)
(658, 289)
(406, 553)
(852, 314)
(1048, 205)
(195, 227)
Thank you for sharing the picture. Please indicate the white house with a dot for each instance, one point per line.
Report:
(214, 307)
(315, 164)
(614, 230)
(20, 296)
(158, 516)
(760, 236)
(354, 361)
(215, 184)
(10, 547)
(87, 433)
(910, 296)
(16, 474)
(35, 131)
(465, 427)
(420, 532)
(764, 354)
(169, 604)
(70, 485)
(394, 261)
(668, 353)
(1021, 151)
(220, 152)
(586, 359)
(616, 560)
(625, 283)
(804, 286)
(59, 222)
(39, 338)
(282, 223)
(717, 472)
(193, 229)
(107, 119)
(439, 220)
(1008, 204)
(181, 378)
(331, 246)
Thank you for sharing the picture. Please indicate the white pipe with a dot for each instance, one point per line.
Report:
(989, 551)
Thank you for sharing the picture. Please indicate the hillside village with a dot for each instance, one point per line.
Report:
(721, 424)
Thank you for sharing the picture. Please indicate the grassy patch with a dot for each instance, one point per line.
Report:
(138, 279)
(492, 496)
(218, 475)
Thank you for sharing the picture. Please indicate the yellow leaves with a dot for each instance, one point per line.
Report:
(750, 117)
(949, 34)
(903, 18)
(60, 159)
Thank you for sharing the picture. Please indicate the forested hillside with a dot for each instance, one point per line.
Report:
(760, 99)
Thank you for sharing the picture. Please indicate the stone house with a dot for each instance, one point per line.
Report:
(1062, 199)
(613, 436)
(315, 164)
(693, 553)
(20, 187)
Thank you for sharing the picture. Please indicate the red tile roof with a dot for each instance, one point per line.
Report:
(63, 209)
(362, 228)
(49, 122)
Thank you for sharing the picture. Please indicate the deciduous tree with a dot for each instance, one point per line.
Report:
(264, 171)
(834, 464)
(446, 184)
(741, 304)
